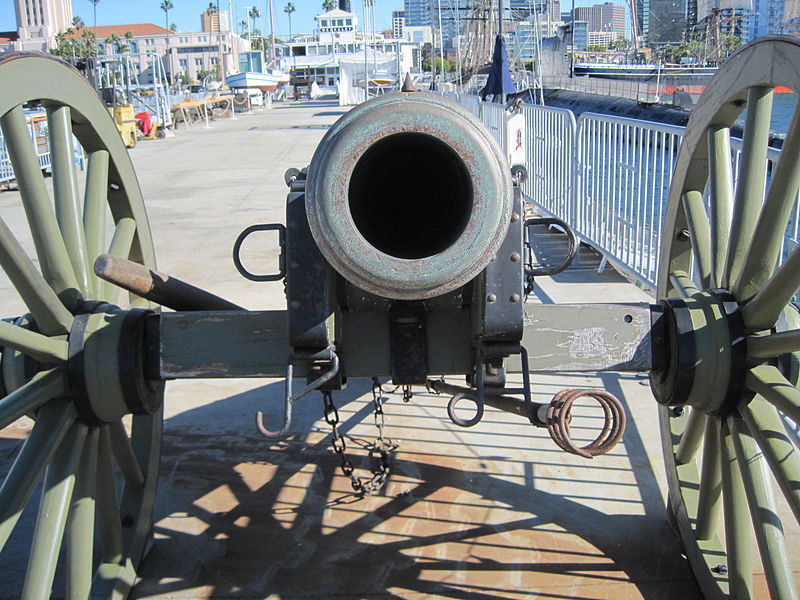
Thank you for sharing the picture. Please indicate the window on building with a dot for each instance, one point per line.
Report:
(183, 40)
(348, 22)
(184, 63)
(198, 62)
(214, 60)
(101, 48)
(134, 47)
(323, 23)
(149, 42)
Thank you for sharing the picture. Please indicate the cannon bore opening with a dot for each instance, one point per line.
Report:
(410, 195)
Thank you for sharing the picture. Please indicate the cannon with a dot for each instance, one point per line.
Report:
(410, 283)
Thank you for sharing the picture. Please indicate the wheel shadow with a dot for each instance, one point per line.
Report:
(466, 514)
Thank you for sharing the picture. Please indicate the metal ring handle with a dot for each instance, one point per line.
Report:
(237, 246)
(451, 410)
(573, 246)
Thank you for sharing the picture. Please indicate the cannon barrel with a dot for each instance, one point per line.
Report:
(408, 196)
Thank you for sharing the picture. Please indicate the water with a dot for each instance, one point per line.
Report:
(783, 106)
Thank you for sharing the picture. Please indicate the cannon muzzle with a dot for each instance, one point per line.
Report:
(408, 196)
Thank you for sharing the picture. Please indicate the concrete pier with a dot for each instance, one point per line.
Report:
(495, 511)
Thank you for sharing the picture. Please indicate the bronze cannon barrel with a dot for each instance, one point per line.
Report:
(409, 196)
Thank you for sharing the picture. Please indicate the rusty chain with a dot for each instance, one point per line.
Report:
(382, 447)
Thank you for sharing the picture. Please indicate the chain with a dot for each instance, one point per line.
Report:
(382, 447)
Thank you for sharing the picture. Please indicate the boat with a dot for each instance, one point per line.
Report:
(254, 75)
(682, 74)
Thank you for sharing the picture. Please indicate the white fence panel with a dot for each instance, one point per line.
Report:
(550, 149)
(494, 117)
(624, 171)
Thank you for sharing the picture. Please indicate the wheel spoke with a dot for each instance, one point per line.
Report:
(764, 514)
(124, 455)
(107, 505)
(700, 231)
(80, 527)
(94, 205)
(708, 504)
(59, 481)
(749, 194)
(738, 540)
(53, 422)
(767, 429)
(50, 247)
(683, 284)
(40, 347)
(692, 436)
(43, 387)
(121, 245)
(767, 241)
(774, 344)
(65, 192)
(50, 314)
(775, 389)
(763, 310)
(721, 188)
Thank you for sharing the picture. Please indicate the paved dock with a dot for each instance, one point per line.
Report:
(496, 511)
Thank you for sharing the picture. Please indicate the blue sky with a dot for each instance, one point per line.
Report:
(186, 14)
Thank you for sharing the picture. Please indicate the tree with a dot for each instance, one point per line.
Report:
(253, 14)
(289, 9)
(166, 6)
(70, 47)
(328, 4)
(94, 8)
(77, 22)
(212, 9)
(243, 26)
(426, 65)
(173, 27)
(117, 46)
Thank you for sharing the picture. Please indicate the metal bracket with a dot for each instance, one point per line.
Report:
(409, 344)
(237, 246)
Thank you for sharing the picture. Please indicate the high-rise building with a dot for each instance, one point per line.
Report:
(547, 9)
(608, 18)
(398, 23)
(215, 21)
(417, 12)
(771, 16)
(38, 22)
(664, 21)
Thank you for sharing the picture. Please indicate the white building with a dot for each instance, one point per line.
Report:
(185, 54)
(38, 22)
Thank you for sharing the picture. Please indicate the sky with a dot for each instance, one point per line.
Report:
(186, 14)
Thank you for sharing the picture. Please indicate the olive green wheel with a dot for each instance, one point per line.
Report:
(71, 358)
(730, 404)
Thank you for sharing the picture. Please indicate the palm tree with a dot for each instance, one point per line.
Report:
(94, 8)
(166, 6)
(243, 26)
(289, 9)
(212, 8)
(328, 4)
(253, 14)
(77, 22)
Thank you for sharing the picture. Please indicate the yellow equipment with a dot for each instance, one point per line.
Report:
(126, 123)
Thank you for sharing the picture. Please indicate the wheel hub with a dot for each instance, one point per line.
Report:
(706, 353)
(106, 364)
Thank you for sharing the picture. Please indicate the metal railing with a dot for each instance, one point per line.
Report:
(36, 121)
(608, 177)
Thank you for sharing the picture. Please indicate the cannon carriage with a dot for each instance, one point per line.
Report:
(439, 291)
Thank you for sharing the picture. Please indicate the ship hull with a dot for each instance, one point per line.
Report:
(266, 82)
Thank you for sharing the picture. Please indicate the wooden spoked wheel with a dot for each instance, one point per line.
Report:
(730, 402)
(69, 357)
